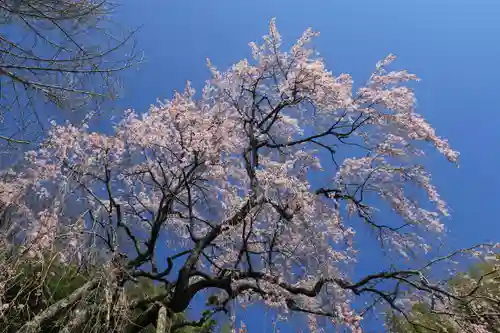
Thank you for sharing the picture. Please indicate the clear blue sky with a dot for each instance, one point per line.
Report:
(454, 46)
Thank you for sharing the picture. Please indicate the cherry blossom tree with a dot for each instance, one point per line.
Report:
(251, 193)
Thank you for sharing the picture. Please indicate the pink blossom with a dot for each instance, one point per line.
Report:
(238, 159)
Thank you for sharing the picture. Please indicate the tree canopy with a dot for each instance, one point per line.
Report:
(251, 192)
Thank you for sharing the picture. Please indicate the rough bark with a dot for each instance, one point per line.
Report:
(163, 324)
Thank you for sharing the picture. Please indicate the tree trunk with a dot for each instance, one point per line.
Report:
(163, 324)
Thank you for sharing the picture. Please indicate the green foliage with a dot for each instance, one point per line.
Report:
(33, 285)
(481, 286)
(422, 321)
(226, 328)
